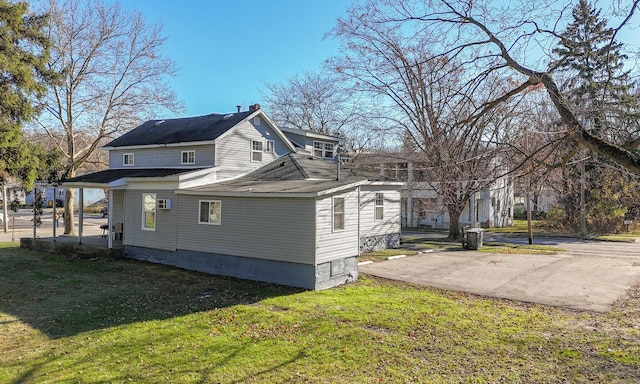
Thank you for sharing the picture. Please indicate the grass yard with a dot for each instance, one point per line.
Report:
(103, 321)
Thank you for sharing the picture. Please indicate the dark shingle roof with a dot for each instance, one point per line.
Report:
(294, 166)
(292, 173)
(109, 175)
(182, 130)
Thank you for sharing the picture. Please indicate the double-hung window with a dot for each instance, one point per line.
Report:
(338, 213)
(127, 159)
(379, 206)
(210, 212)
(149, 211)
(322, 149)
(256, 150)
(188, 157)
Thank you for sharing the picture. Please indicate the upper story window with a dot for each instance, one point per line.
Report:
(257, 120)
(127, 159)
(270, 148)
(379, 206)
(149, 211)
(188, 157)
(256, 150)
(338, 213)
(323, 149)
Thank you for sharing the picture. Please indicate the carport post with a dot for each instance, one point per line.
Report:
(80, 214)
(55, 195)
(109, 216)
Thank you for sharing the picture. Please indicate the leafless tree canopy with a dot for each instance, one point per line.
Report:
(113, 77)
(490, 41)
(444, 122)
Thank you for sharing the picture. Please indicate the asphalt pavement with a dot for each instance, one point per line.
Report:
(20, 224)
(589, 275)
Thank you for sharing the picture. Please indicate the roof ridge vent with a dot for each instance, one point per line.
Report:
(226, 117)
(159, 122)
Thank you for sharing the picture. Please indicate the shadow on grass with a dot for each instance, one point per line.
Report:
(63, 297)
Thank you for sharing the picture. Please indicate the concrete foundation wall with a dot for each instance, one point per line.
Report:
(68, 248)
(375, 243)
(323, 276)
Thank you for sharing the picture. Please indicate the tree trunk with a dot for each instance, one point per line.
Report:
(69, 219)
(5, 216)
(454, 223)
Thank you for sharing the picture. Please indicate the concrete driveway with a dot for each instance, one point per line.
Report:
(588, 276)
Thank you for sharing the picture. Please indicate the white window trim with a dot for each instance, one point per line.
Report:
(130, 156)
(182, 156)
(376, 206)
(155, 212)
(257, 151)
(270, 146)
(324, 149)
(333, 214)
(207, 222)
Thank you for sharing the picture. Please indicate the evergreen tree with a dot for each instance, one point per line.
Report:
(592, 63)
(602, 95)
(23, 79)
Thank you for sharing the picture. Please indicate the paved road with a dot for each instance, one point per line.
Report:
(590, 275)
(23, 226)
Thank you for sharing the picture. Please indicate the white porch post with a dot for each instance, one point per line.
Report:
(109, 223)
(80, 214)
(55, 196)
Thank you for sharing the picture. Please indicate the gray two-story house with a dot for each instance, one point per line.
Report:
(233, 194)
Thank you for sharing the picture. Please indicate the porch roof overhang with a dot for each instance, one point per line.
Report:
(308, 188)
(118, 177)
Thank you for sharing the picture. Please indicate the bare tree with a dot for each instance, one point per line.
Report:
(509, 42)
(325, 103)
(113, 77)
(427, 96)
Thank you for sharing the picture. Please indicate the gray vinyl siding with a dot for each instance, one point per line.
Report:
(164, 236)
(118, 208)
(163, 157)
(233, 150)
(391, 212)
(307, 142)
(340, 244)
(262, 228)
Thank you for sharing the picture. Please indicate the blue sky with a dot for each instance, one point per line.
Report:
(227, 50)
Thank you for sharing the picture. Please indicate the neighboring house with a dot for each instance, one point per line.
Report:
(421, 206)
(14, 191)
(235, 195)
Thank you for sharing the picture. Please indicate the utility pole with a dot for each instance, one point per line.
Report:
(528, 197)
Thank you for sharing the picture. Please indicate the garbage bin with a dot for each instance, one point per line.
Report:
(474, 238)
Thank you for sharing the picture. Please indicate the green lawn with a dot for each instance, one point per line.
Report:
(102, 321)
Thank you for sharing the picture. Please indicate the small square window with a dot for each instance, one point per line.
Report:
(210, 212)
(127, 159)
(257, 120)
(188, 157)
